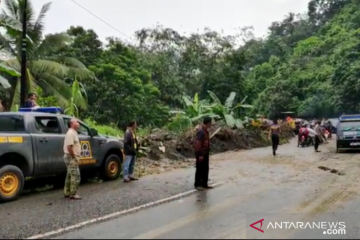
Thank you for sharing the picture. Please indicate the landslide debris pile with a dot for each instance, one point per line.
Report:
(162, 144)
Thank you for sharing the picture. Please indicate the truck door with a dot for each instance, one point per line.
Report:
(49, 141)
(89, 146)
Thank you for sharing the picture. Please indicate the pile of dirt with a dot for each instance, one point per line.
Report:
(161, 144)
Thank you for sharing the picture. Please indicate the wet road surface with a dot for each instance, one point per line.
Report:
(255, 184)
(215, 214)
(226, 212)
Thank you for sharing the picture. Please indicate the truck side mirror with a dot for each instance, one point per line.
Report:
(93, 132)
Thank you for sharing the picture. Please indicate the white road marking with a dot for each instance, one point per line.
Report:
(116, 214)
(204, 214)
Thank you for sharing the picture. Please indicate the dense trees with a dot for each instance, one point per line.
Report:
(44, 68)
(309, 63)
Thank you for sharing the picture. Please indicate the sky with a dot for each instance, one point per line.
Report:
(184, 16)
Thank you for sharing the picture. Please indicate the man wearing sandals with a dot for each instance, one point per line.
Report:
(72, 160)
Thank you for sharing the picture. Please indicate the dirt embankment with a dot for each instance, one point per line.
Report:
(163, 151)
(161, 144)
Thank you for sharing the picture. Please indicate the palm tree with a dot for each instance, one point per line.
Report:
(43, 70)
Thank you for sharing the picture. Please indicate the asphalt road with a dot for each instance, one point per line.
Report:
(227, 211)
(322, 199)
(255, 185)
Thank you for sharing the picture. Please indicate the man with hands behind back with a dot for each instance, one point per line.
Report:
(202, 153)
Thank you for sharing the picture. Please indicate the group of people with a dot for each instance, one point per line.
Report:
(202, 144)
(314, 131)
(201, 152)
(202, 147)
(317, 129)
(72, 151)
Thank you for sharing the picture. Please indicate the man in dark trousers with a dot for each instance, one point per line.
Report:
(202, 151)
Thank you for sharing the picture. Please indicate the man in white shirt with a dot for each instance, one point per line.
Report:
(312, 132)
(72, 151)
(314, 135)
(318, 133)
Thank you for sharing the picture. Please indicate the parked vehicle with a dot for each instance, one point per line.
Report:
(348, 133)
(31, 145)
(305, 142)
(334, 123)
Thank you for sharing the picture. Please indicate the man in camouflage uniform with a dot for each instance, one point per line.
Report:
(72, 160)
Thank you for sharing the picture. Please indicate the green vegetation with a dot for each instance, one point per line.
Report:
(110, 129)
(44, 68)
(309, 63)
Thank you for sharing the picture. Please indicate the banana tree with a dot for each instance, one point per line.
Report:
(9, 71)
(194, 110)
(227, 110)
(77, 100)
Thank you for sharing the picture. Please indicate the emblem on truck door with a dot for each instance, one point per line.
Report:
(86, 153)
(85, 150)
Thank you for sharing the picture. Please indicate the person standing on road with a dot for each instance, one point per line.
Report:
(317, 136)
(274, 135)
(130, 149)
(72, 160)
(202, 155)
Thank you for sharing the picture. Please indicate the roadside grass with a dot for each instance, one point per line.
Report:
(113, 130)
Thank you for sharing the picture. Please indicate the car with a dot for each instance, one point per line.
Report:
(31, 145)
(348, 133)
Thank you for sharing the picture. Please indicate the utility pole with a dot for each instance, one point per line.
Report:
(23, 90)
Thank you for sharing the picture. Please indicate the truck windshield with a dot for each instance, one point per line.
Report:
(12, 123)
(349, 126)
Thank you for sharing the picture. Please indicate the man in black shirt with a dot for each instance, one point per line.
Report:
(202, 152)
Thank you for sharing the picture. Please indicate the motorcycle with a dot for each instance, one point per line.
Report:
(305, 142)
(328, 134)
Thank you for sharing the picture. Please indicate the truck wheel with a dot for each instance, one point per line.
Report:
(11, 183)
(112, 167)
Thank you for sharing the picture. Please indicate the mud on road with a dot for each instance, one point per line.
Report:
(255, 169)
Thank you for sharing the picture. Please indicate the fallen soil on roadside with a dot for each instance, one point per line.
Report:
(164, 151)
(161, 144)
